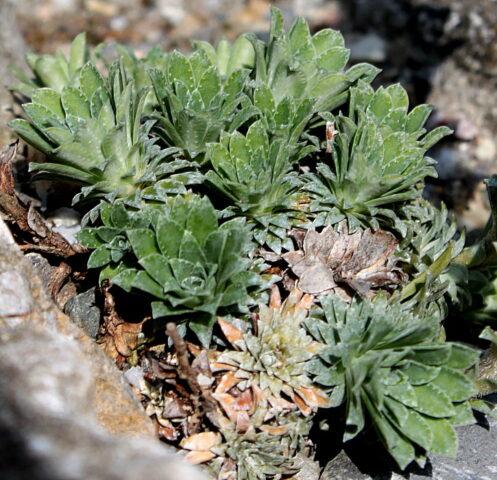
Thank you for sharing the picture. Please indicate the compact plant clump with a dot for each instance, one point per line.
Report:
(263, 203)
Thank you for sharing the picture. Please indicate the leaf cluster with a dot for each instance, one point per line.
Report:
(388, 366)
(178, 254)
(377, 162)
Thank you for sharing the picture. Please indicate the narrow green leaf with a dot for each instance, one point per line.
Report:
(78, 54)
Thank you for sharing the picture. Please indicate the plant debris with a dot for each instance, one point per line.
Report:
(329, 260)
(36, 235)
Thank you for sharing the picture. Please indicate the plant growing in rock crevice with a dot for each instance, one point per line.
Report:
(94, 135)
(257, 180)
(377, 160)
(182, 257)
(387, 366)
(196, 169)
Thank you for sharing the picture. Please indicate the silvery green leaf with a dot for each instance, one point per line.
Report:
(433, 401)
(444, 437)
(457, 386)
(99, 257)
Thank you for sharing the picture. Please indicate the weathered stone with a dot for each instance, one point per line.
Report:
(368, 48)
(308, 468)
(84, 313)
(14, 295)
(11, 53)
(476, 460)
(64, 407)
(45, 381)
(342, 468)
(42, 266)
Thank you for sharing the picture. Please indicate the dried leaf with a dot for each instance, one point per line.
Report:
(362, 260)
(313, 397)
(203, 441)
(228, 381)
(276, 430)
(119, 337)
(232, 333)
(195, 458)
(168, 432)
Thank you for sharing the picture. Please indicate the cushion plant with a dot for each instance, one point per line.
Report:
(212, 177)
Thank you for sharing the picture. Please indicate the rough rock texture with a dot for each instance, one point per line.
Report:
(11, 52)
(65, 410)
(476, 460)
(84, 313)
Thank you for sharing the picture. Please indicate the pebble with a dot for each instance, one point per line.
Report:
(368, 48)
(66, 222)
(172, 10)
(84, 313)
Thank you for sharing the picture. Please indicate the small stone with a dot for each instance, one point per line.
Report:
(66, 5)
(342, 468)
(172, 10)
(119, 23)
(486, 149)
(42, 266)
(64, 217)
(66, 222)
(371, 48)
(84, 312)
(69, 233)
(99, 7)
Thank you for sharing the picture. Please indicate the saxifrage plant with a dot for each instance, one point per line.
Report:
(181, 256)
(389, 367)
(210, 176)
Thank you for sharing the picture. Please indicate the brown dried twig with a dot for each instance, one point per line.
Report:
(203, 401)
(26, 217)
(119, 338)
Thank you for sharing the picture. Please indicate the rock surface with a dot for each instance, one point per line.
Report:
(84, 313)
(65, 410)
(476, 460)
(11, 52)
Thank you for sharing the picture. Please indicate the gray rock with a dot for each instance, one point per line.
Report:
(42, 266)
(368, 48)
(67, 222)
(342, 468)
(83, 312)
(14, 295)
(12, 52)
(476, 460)
(49, 430)
(66, 413)
(308, 468)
